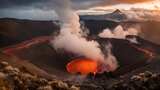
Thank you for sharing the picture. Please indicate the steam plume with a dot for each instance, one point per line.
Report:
(118, 33)
(111, 61)
(70, 37)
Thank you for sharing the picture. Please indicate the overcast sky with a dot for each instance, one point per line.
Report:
(44, 9)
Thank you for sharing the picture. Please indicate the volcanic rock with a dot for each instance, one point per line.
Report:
(142, 81)
(18, 80)
(13, 31)
(33, 63)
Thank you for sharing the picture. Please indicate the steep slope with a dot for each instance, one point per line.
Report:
(14, 31)
(24, 65)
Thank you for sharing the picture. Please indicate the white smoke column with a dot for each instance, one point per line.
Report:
(135, 32)
(118, 33)
(67, 16)
(78, 45)
(110, 61)
(70, 37)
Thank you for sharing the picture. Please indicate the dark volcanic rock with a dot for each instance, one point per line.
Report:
(13, 31)
(142, 81)
(54, 61)
(128, 54)
(42, 60)
(97, 26)
(14, 79)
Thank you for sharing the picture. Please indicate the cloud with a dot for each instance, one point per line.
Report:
(32, 14)
(143, 14)
(133, 1)
(76, 3)
(15, 8)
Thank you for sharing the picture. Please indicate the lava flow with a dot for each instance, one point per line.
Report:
(148, 53)
(82, 66)
(26, 44)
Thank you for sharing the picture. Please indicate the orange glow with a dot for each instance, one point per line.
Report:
(148, 53)
(133, 1)
(82, 66)
(26, 44)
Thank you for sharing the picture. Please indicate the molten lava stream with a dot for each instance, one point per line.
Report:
(148, 53)
(26, 44)
(82, 66)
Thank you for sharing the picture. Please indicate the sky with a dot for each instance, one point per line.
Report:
(44, 9)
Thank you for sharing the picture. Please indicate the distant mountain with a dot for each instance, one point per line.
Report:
(116, 16)
(134, 15)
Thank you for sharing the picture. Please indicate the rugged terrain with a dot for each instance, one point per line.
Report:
(12, 78)
(25, 45)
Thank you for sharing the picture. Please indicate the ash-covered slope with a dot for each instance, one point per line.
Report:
(24, 65)
(132, 56)
(13, 31)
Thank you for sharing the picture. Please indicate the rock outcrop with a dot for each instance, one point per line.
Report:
(12, 78)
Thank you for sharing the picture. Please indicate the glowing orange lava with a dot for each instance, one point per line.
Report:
(148, 53)
(26, 44)
(82, 66)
